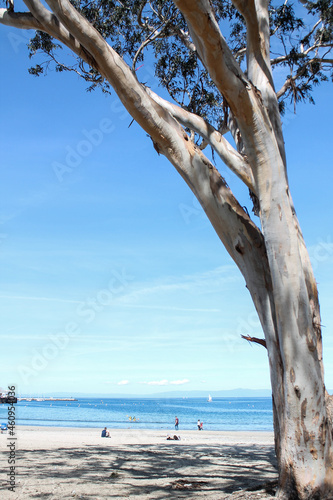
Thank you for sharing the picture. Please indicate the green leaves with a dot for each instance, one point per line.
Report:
(284, 19)
(155, 31)
(36, 70)
(42, 42)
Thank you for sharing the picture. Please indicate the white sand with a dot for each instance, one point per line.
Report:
(58, 463)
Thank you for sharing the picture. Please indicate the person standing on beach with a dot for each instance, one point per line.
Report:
(176, 423)
(199, 425)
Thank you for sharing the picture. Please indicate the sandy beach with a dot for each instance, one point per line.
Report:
(57, 463)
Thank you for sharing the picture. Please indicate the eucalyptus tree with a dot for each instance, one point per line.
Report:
(215, 61)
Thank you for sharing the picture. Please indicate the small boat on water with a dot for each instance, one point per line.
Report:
(210, 399)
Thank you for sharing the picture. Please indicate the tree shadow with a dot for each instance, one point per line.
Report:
(166, 470)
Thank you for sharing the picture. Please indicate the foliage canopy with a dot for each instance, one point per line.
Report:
(301, 43)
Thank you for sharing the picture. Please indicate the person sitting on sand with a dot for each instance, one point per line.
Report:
(105, 433)
(174, 438)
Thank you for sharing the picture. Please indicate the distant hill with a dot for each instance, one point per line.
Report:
(232, 393)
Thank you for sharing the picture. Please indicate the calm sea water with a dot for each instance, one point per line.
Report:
(252, 414)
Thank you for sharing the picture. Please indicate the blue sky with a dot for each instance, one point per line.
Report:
(112, 279)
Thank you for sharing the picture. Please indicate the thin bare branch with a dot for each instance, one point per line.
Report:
(291, 81)
(143, 24)
(241, 52)
(315, 47)
(255, 339)
(155, 34)
(278, 25)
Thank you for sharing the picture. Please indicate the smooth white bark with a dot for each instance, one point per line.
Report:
(21, 20)
(232, 159)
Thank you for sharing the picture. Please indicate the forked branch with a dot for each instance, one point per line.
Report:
(232, 159)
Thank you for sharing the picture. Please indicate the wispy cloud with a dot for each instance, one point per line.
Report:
(158, 382)
(172, 308)
(166, 382)
(123, 382)
(212, 280)
(47, 299)
(180, 382)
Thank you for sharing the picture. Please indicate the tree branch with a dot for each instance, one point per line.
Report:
(285, 58)
(139, 17)
(290, 81)
(232, 159)
(21, 20)
(255, 339)
(241, 237)
(215, 52)
(78, 26)
(259, 70)
(51, 25)
(184, 37)
(253, 116)
(258, 39)
(155, 34)
(239, 234)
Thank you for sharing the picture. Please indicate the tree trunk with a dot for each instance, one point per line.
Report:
(303, 431)
(278, 276)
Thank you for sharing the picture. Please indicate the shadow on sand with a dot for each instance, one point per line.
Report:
(175, 470)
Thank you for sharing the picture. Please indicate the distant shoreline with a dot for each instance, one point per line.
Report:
(46, 399)
(164, 395)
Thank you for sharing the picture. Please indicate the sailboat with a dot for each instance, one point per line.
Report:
(210, 399)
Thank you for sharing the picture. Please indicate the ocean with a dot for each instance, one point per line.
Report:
(222, 414)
